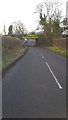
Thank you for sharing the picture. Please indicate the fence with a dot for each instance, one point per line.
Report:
(61, 43)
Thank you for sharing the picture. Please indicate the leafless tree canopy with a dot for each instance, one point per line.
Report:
(18, 28)
(49, 9)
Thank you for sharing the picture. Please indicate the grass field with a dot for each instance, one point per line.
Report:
(12, 48)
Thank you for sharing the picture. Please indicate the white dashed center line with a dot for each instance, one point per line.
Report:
(42, 56)
(60, 87)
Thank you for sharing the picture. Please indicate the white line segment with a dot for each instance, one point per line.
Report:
(42, 56)
(60, 87)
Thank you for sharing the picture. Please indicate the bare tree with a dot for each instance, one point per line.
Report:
(50, 16)
(18, 28)
(49, 9)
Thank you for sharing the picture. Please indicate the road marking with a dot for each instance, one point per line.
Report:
(60, 87)
(42, 56)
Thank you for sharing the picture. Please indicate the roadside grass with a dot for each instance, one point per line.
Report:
(12, 49)
(59, 51)
(11, 56)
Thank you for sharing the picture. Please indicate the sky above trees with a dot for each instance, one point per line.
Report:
(23, 10)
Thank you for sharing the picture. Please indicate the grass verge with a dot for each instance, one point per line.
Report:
(58, 51)
(12, 50)
(10, 57)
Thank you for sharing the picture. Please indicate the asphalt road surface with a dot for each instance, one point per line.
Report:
(29, 42)
(35, 87)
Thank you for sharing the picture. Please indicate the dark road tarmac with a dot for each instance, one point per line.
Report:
(35, 87)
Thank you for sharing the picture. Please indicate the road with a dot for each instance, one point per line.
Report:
(35, 87)
(30, 42)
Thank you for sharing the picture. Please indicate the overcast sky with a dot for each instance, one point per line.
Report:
(23, 10)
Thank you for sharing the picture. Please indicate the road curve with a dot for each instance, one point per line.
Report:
(35, 87)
